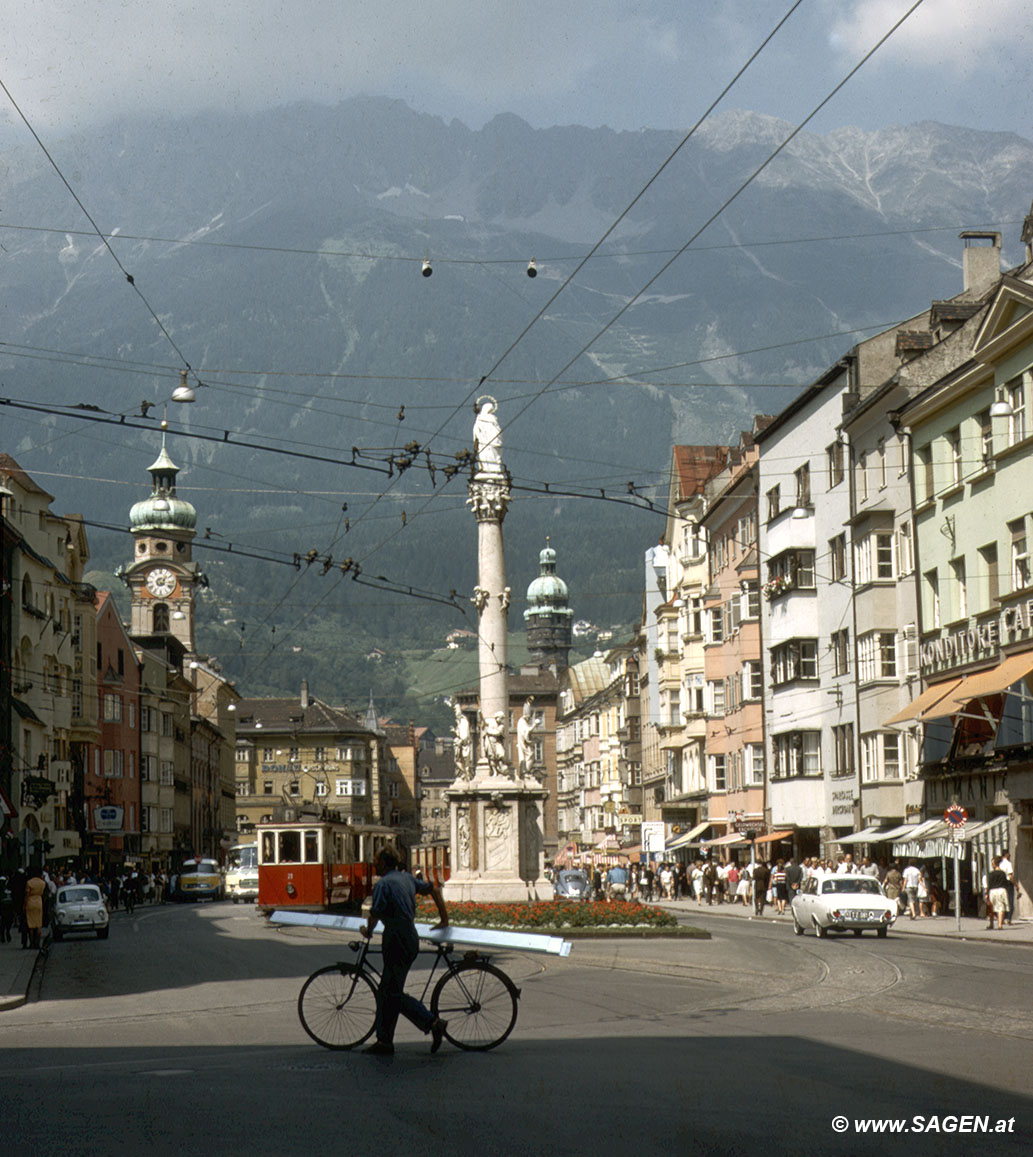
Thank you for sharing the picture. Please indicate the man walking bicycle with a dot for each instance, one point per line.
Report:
(394, 905)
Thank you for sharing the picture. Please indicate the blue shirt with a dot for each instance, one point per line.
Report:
(394, 899)
(617, 875)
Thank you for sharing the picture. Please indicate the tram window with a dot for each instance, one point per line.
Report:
(312, 847)
(268, 847)
(290, 848)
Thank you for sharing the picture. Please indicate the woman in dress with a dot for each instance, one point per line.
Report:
(34, 892)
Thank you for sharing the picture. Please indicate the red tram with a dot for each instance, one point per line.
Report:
(316, 863)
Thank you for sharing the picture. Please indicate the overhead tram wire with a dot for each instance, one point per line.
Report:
(99, 232)
(616, 255)
(595, 248)
(714, 216)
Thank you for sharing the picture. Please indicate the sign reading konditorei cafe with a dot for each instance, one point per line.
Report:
(983, 640)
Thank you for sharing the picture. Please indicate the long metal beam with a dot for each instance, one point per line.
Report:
(481, 937)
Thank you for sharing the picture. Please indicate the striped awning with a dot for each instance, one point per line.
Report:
(868, 836)
(685, 838)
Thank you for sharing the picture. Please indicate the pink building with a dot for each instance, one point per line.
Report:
(112, 781)
(734, 689)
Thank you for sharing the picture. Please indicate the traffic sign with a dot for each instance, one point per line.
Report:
(955, 815)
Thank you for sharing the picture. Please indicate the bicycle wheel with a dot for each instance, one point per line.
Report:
(479, 1002)
(338, 1007)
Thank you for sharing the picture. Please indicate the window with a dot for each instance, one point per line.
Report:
(753, 765)
(834, 453)
(902, 455)
(925, 482)
(716, 618)
(320, 754)
(873, 558)
(905, 558)
(113, 764)
(988, 561)
(803, 484)
(774, 502)
(1016, 392)
(837, 558)
(843, 749)
(148, 768)
(167, 772)
(717, 696)
(862, 478)
(880, 756)
(267, 787)
(160, 619)
(790, 570)
(750, 600)
(877, 656)
(795, 659)
(880, 464)
(167, 727)
(797, 753)
(841, 652)
(954, 459)
(931, 589)
(986, 438)
(959, 592)
(322, 787)
(718, 772)
(243, 754)
(148, 719)
(112, 709)
(752, 679)
(1020, 573)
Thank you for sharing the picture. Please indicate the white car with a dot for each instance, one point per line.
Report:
(79, 908)
(840, 902)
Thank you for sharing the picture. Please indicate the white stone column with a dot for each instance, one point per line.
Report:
(496, 815)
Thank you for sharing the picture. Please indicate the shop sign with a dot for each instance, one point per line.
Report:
(108, 818)
(36, 790)
(980, 641)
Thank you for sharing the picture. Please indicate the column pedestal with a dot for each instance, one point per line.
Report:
(498, 854)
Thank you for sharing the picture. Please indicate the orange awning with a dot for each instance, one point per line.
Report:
(994, 681)
(925, 706)
(772, 836)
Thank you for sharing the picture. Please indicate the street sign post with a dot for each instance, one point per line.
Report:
(955, 817)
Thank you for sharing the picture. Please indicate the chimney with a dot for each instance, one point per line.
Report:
(304, 694)
(1027, 234)
(981, 261)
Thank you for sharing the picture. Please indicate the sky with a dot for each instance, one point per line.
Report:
(70, 64)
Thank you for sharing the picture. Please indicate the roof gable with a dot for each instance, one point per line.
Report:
(1008, 320)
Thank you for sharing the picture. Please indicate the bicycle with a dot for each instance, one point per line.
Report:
(337, 1005)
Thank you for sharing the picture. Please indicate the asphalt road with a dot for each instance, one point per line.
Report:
(180, 1035)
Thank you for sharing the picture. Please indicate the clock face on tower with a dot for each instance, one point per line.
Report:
(161, 582)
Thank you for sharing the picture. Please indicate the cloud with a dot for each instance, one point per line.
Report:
(961, 35)
(93, 58)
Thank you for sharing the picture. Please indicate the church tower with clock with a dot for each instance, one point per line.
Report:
(163, 578)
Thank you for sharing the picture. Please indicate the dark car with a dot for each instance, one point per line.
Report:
(572, 884)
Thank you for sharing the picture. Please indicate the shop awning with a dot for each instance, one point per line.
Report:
(989, 838)
(687, 837)
(723, 841)
(900, 833)
(925, 706)
(994, 681)
(772, 836)
(920, 842)
(868, 836)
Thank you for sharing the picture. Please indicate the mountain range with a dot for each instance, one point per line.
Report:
(280, 256)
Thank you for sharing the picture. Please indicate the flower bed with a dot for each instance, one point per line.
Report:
(548, 915)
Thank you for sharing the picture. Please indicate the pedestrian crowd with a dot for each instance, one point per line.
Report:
(27, 897)
(915, 887)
